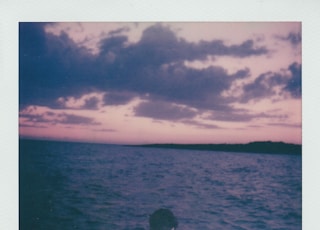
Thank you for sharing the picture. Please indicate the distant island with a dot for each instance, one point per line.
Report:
(253, 147)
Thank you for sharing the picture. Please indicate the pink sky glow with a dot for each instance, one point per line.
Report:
(160, 82)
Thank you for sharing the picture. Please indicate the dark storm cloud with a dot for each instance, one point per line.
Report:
(54, 66)
(51, 66)
(112, 44)
(264, 85)
(58, 118)
(153, 69)
(179, 84)
(32, 40)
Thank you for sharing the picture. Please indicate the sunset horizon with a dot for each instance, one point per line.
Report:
(147, 143)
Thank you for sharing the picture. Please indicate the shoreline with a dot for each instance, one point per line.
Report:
(252, 147)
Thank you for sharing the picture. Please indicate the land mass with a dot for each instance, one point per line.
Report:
(252, 147)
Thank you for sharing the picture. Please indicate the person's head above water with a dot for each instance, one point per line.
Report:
(163, 219)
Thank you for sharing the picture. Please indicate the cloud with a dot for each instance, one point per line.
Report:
(160, 45)
(53, 66)
(179, 84)
(30, 117)
(237, 115)
(112, 44)
(243, 50)
(118, 31)
(293, 85)
(285, 125)
(293, 37)
(91, 101)
(32, 126)
(32, 40)
(105, 130)
(164, 111)
(118, 98)
(261, 87)
(58, 73)
(200, 125)
(271, 83)
(75, 119)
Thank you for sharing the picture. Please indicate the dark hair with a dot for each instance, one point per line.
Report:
(162, 219)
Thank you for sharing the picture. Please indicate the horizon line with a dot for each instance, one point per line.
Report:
(151, 143)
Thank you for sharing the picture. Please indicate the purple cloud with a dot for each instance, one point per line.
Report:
(153, 69)
(58, 118)
(264, 85)
(163, 111)
(292, 37)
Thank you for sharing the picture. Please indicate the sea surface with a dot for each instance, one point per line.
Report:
(95, 186)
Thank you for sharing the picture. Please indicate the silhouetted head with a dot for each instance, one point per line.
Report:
(163, 219)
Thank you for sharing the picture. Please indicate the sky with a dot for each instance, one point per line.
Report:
(138, 83)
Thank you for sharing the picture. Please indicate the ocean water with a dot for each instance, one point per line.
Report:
(93, 186)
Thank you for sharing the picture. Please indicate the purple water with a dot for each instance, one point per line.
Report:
(93, 186)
